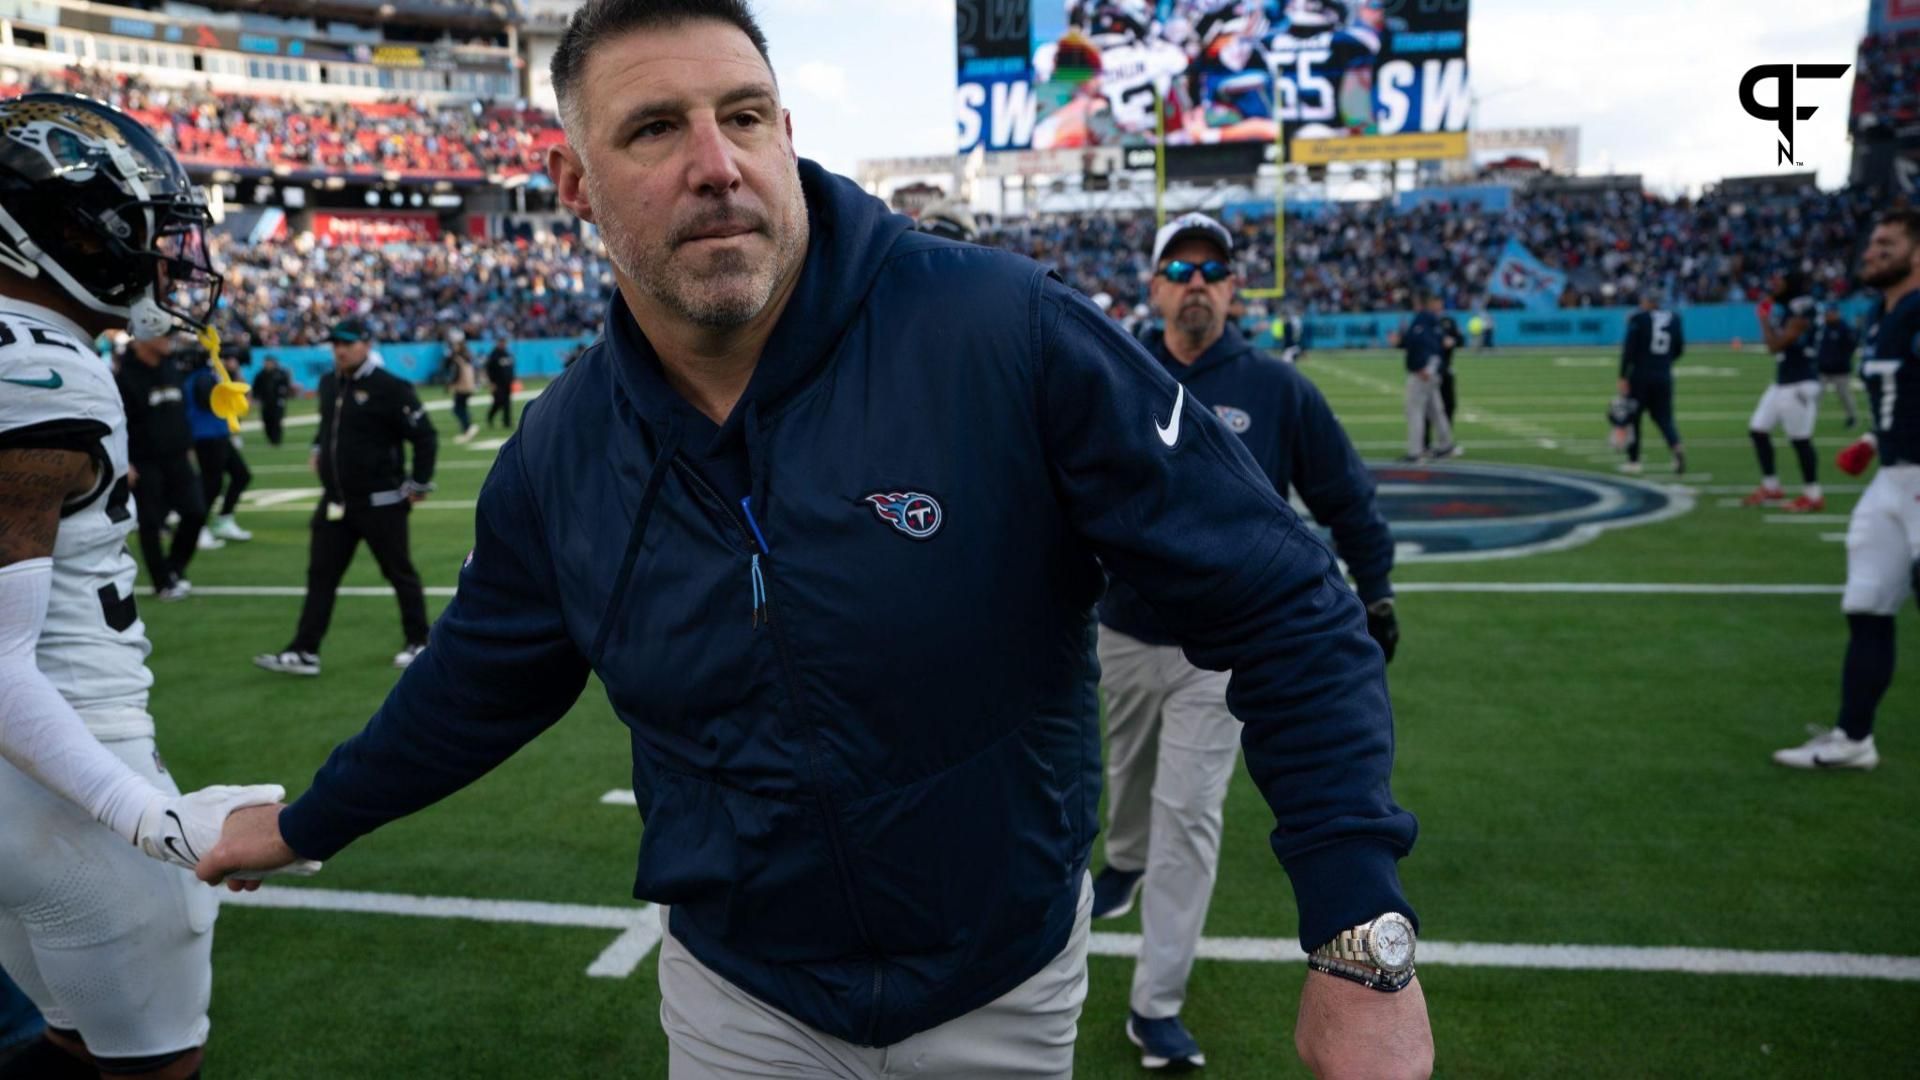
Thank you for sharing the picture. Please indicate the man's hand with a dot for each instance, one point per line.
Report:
(250, 848)
(182, 829)
(1854, 459)
(1383, 626)
(1348, 1032)
(133, 478)
(1626, 388)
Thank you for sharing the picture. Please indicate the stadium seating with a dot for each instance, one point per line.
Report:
(260, 134)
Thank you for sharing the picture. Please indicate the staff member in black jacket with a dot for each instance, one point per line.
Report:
(366, 415)
(500, 375)
(1834, 343)
(152, 379)
(272, 386)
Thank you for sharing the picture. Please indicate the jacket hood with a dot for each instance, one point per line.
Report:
(850, 235)
(1230, 346)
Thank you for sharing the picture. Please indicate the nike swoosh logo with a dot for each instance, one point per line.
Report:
(191, 855)
(51, 382)
(1170, 432)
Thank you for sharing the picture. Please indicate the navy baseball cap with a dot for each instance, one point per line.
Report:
(350, 331)
(1192, 225)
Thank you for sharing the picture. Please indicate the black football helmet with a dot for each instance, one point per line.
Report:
(1621, 411)
(91, 201)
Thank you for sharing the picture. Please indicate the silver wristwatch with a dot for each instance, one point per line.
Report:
(1377, 954)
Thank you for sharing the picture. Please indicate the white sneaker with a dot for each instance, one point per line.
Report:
(225, 529)
(179, 590)
(289, 662)
(206, 541)
(472, 432)
(406, 656)
(1829, 749)
(463, 437)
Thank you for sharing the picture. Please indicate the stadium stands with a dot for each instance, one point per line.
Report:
(1886, 89)
(1370, 257)
(298, 138)
(289, 293)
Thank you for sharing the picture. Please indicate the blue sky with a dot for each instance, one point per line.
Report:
(1652, 85)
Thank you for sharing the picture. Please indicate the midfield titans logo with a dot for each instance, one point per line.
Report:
(910, 512)
(1782, 112)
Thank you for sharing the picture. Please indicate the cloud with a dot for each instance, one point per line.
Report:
(823, 80)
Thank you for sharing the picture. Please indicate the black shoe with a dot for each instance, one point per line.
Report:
(1114, 892)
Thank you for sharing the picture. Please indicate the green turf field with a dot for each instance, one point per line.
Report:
(1589, 768)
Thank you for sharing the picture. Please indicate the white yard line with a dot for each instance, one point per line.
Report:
(1485, 588)
(312, 419)
(640, 932)
(1805, 519)
(619, 797)
(304, 501)
(639, 926)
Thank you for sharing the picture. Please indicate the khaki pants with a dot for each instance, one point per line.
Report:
(1425, 408)
(716, 1031)
(1171, 747)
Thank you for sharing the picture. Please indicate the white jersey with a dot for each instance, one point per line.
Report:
(56, 392)
(1131, 72)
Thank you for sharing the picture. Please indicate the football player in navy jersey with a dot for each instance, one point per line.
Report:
(1793, 401)
(1883, 539)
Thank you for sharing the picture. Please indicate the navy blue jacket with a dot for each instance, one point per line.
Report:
(1424, 342)
(1655, 341)
(862, 705)
(1293, 436)
(1833, 346)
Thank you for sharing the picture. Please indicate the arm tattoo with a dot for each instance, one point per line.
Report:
(34, 484)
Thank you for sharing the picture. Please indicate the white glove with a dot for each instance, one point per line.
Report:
(179, 829)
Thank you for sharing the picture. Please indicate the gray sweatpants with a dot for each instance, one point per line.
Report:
(1425, 407)
(717, 1031)
(1171, 747)
(1841, 383)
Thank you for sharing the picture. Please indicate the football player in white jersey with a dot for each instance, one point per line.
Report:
(1135, 66)
(99, 229)
(1883, 535)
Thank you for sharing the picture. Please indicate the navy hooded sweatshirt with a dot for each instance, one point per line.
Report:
(1293, 436)
(861, 696)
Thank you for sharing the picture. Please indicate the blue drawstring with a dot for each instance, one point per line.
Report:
(759, 591)
(756, 463)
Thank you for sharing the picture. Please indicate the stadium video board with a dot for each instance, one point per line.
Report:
(1333, 75)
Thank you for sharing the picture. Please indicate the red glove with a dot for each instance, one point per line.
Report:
(1765, 309)
(1854, 459)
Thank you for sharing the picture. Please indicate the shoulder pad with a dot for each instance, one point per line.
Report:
(1801, 305)
(47, 374)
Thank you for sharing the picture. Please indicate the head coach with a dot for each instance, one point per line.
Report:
(826, 510)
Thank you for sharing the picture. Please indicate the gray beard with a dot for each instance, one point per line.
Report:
(694, 299)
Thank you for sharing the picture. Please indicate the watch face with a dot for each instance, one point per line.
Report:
(1390, 941)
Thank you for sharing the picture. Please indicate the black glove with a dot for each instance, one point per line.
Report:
(1383, 627)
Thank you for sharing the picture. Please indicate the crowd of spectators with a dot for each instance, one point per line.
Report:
(1886, 85)
(210, 129)
(1371, 257)
(290, 292)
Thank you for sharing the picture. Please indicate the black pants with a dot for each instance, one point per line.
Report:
(1447, 401)
(462, 419)
(331, 551)
(221, 463)
(168, 485)
(273, 419)
(502, 405)
(1656, 399)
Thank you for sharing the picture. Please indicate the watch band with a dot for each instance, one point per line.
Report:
(1363, 973)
